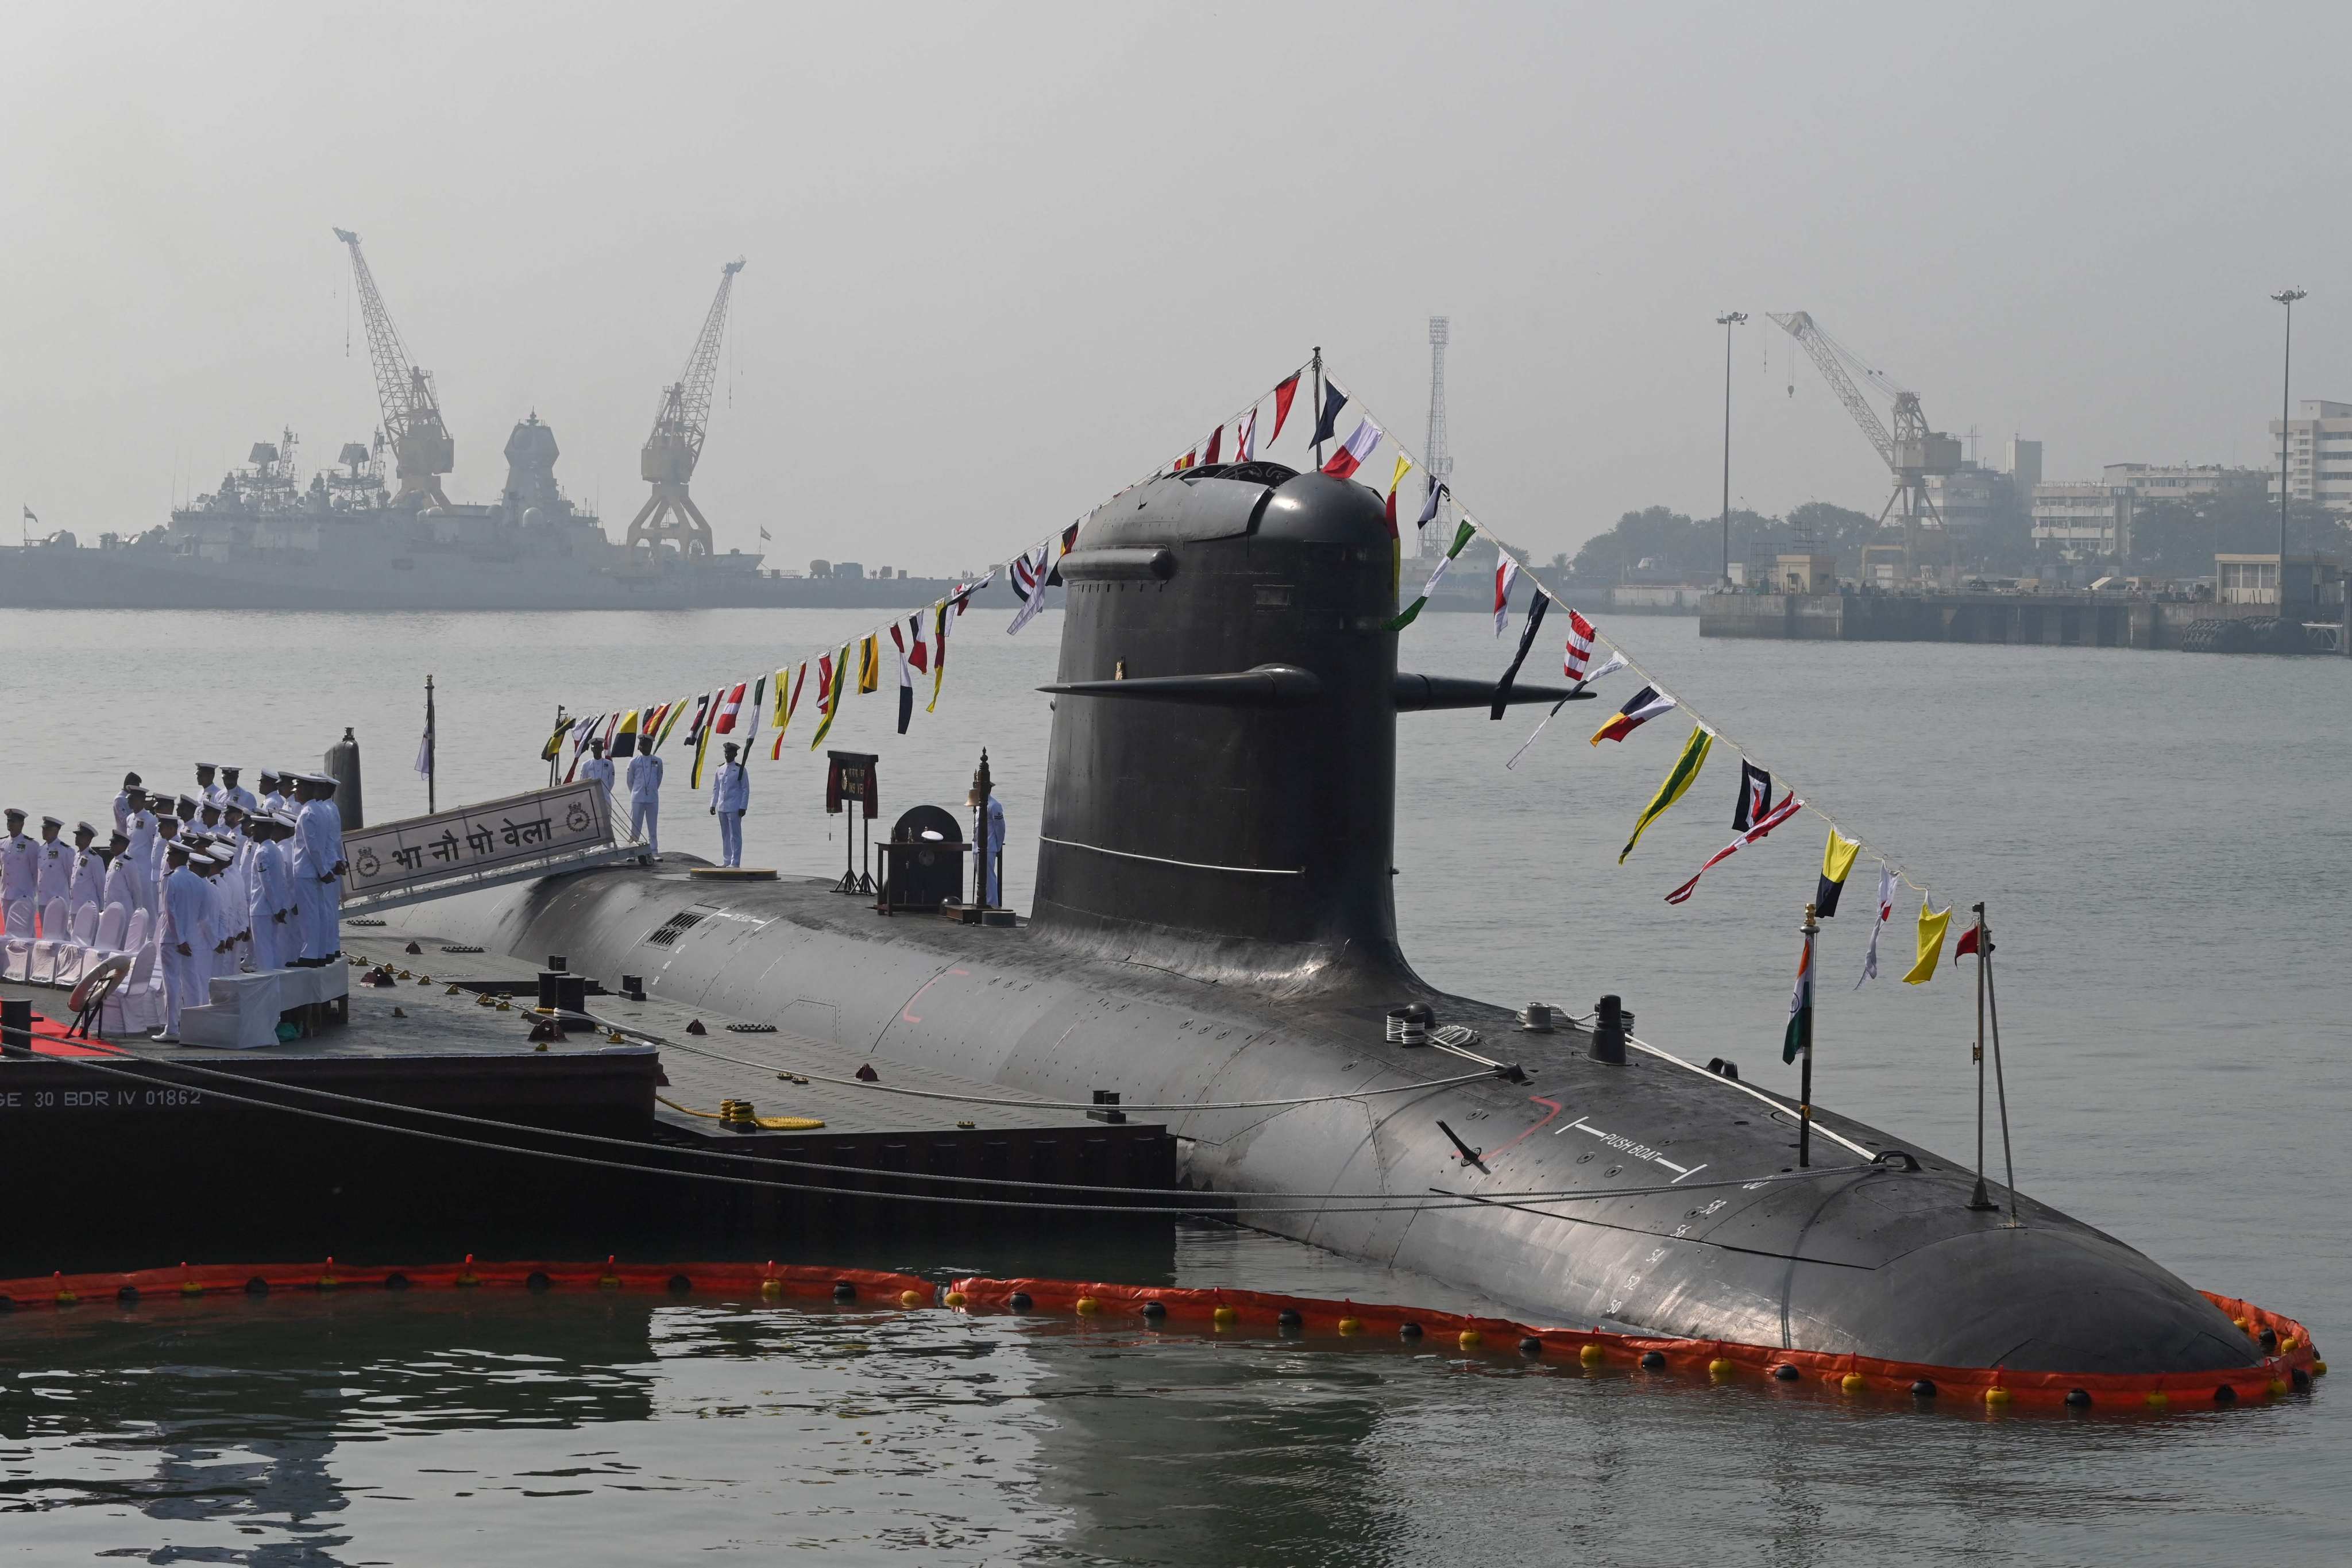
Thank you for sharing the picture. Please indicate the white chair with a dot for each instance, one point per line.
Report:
(75, 954)
(134, 935)
(49, 949)
(135, 1007)
(17, 944)
(101, 941)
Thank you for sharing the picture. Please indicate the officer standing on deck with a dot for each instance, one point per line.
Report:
(87, 883)
(19, 869)
(599, 767)
(54, 879)
(731, 797)
(129, 801)
(235, 794)
(645, 799)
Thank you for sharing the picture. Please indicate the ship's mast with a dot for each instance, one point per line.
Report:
(422, 450)
(670, 515)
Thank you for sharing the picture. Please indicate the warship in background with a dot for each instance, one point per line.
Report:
(352, 539)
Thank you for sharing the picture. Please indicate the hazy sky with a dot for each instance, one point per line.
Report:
(1003, 259)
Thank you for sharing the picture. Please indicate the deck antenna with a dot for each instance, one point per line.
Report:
(1318, 405)
(2001, 1089)
(1979, 1200)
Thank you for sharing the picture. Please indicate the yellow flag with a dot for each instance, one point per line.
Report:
(677, 711)
(1931, 942)
(784, 709)
(832, 697)
(869, 663)
(1837, 858)
(1404, 467)
(1679, 779)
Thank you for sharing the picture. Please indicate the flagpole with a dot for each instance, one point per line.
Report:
(1984, 967)
(1319, 411)
(556, 761)
(1805, 1045)
(431, 749)
(1978, 1199)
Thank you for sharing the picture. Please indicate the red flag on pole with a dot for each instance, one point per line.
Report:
(1282, 396)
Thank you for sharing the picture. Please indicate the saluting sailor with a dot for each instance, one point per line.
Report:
(88, 882)
(731, 797)
(54, 878)
(645, 799)
(19, 870)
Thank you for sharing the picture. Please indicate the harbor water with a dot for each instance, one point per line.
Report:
(2165, 845)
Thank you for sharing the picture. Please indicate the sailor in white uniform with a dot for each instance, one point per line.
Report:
(87, 882)
(20, 866)
(186, 905)
(159, 862)
(138, 852)
(273, 799)
(731, 797)
(208, 793)
(235, 794)
(599, 767)
(319, 869)
(52, 879)
(129, 801)
(644, 800)
(270, 904)
(123, 884)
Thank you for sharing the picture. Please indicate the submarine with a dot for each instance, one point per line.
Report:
(1214, 927)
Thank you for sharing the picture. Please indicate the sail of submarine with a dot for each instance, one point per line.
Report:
(1215, 921)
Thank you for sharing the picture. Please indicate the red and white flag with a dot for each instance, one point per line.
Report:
(1245, 437)
(905, 676)
(729, 706)
(1029, 572)
(1350, 456)
(1580, 647)
(1506, 572)
(1216, 445)
(1886, 913)
(1790, 805)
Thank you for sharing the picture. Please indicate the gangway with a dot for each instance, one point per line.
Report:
(516, 838)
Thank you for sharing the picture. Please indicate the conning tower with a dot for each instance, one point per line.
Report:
(1221, 780)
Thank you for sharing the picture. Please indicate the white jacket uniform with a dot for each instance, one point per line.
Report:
(270, 889)
(122, 886)
(730, 796)
(601, 770)
(53, 877)
(644, 800)
(318, 892)
(87, 881)
(140, 860)
(240, 796)
(20, 868)
(187, 911)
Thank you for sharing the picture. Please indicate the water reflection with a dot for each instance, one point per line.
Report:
(419, 1427)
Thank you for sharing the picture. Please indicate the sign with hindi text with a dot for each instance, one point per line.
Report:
(489, 836)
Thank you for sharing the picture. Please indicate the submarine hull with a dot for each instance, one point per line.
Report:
(1215, 923)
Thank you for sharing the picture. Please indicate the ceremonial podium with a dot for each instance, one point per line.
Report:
(849, 784)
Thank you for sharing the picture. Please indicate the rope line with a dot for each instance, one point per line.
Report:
(1354, 1202)
(1892, 862)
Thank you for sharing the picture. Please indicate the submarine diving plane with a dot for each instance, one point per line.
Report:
(1215, 923)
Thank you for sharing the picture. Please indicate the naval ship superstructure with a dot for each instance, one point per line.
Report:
(265, 539)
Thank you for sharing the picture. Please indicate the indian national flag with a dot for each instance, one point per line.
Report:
(1800, 1036)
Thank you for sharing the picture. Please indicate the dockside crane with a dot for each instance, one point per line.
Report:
(421, 448)
(1912, 452)
(670, 515)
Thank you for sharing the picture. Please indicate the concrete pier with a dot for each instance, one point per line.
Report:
(2065, 620)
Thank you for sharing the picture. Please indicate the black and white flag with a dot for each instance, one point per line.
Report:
(1755, 796)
